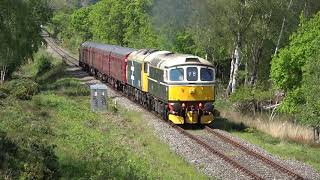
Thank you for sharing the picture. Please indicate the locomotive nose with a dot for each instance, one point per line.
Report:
(192, 91)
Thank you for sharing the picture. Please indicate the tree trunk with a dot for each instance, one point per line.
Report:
(256, 52)
(246, 79)
(281, 31)
(235, 63)
(229, 89)
(316, 134)
(3, 72)
(236, 68)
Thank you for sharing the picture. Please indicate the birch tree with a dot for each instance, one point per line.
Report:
(242, 17)
(284, 21)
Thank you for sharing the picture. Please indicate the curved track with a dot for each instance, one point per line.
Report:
(70, 60)
(255, 154)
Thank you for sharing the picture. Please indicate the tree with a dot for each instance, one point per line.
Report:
(139, 32)
(81, 23)
(310, 112)
(20, 32)
(169, 19)
(287, 66)
(296, 71)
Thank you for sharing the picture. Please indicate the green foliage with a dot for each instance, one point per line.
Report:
(81, 23)
(51, 76)
(287, 69)
(248, 99)
(22, 89)
(20, 30)
(24, 151)
(310, 111)
(296, 70)
(70, 87)
(184, 43)
(125, 23)
(3, 93)
(70, 4)
(60, 24)
(293, 101)
(44, 64)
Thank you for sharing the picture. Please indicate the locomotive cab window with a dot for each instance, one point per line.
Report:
(192, 74)
(177, 74)
(206, 74)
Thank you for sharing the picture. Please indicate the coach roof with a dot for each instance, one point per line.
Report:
(117, 50)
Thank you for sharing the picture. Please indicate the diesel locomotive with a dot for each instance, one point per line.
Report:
(180, 87)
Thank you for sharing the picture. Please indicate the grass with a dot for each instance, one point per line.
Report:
(277, 128)
(111, 145)
(285, 139)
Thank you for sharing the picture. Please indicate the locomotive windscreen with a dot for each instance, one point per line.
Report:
(192, 74)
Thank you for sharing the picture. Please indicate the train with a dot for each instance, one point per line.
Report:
(179, 87)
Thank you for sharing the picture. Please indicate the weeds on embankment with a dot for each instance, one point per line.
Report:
(282, 129)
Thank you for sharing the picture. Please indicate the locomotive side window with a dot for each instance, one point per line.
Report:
(206, 74)
(192, 74)
(146, 68)
(177, 74)
(165, 76)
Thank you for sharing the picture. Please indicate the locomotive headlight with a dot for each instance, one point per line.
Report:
(176, 107)
(183, 105)
(200, 106)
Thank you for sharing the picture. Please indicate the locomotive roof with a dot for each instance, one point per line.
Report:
(118, 50)
(145, 55)
(171, 59)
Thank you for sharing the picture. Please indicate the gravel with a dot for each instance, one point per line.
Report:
(204, 161)
(255, 165)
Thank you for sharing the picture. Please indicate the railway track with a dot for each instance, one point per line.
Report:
(250, 174)
(250, 152)
(70, 60)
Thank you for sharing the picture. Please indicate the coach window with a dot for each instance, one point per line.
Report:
(177, 74)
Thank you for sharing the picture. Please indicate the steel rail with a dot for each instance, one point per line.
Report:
(216, 152)
(62, 53)
(254, 154)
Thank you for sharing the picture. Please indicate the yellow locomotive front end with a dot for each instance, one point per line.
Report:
(191, 94)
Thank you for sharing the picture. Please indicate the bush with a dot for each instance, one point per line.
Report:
(70, 87)
(51, 76)
(3, 93)
(22, 89)
(248, 99)
(44, 64)
(29, 160)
